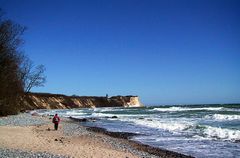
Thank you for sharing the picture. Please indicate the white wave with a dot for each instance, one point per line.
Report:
(34, 111)
(103, 109)
(187, 109)
(79, 117)
(108, 109)
(223, 117)
(101, 115)
(169, 125)
(51, 112)
(118, 115)
(72, 113)
(222, 133)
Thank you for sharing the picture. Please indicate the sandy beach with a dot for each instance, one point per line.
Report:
(39, 138)
(44, 138)
(71, 140)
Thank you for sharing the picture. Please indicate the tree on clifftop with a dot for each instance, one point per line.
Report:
(31, 76)
(15, 75)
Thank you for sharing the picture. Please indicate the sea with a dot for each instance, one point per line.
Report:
(211, 131)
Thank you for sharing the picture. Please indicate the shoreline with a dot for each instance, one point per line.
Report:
(127, 135)
(138, 145)
(73, 140)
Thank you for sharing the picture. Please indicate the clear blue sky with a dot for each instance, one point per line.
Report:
(167, 52)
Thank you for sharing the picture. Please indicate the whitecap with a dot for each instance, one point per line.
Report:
(101, 115)
(187, 109)
(221, 133)
(223, 117)
(73, 113)
(172, 126)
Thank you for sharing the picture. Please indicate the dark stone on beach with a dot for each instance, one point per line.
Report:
(48, 129)
(83, 120)
(158, 151)
(93, 119)
(114, 117)
(124, 135)
(79, 119)
(56, 139)
(35, 114)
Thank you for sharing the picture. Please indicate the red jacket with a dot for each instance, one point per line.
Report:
(56, 119)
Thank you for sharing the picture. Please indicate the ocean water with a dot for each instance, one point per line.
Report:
(199, 130)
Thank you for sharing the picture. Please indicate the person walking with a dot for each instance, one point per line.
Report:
(56, 121)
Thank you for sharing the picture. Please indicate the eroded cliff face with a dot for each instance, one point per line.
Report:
(54, 101)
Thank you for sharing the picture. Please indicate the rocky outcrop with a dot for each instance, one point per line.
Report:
(58, 101)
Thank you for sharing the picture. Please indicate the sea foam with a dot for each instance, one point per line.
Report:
(222, 133)
(187, 109)
(169, 126)
(223, 117)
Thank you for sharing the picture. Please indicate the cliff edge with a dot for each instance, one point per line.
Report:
(59, 101)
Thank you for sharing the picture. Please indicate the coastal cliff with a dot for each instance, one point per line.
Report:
(58, 101)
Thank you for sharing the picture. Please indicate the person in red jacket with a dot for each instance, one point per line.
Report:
(56, 121)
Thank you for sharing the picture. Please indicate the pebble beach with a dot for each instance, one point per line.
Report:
(69, 131)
